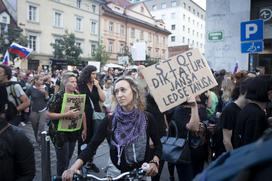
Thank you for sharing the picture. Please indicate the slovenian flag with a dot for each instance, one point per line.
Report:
(19, 50)
(6, 58)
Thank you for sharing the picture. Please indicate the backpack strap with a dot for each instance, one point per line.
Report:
(13, 93)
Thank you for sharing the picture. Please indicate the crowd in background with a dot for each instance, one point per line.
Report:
(231, 115)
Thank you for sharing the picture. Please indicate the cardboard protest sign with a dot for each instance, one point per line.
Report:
(70, 102)
(184, 75)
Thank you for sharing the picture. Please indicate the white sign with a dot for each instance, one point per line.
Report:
(96, 64)
(138, 51)
(123, 60)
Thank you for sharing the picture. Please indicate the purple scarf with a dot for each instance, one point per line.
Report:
(127, 126)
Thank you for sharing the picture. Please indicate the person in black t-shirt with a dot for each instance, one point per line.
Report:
(230, 113)
(251, 121)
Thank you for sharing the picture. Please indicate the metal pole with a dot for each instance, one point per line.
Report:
(46, 163)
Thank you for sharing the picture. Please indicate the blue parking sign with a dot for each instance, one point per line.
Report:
(251, 30)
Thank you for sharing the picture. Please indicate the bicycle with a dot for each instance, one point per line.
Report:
(135, 174)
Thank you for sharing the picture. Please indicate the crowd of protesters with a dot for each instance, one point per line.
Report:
(228, 116)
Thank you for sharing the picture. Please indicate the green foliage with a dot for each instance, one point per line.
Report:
(66, 48)
(101, 54)
(12, 35)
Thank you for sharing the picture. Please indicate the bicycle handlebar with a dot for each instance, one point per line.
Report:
(77, 177)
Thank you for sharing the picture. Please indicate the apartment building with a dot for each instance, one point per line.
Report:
(45, 21)
(184, 18)
(123, 24)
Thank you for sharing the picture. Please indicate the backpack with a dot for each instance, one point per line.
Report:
(250, 162)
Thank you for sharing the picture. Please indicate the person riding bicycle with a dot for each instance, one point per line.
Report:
(128, 132)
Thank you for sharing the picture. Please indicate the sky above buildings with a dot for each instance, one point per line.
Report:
(201, 3)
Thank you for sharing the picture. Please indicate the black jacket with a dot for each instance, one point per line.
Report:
(16, 155)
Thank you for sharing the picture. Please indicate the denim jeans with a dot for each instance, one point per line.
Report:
(64, 154)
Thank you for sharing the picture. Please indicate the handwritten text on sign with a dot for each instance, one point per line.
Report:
(172, 81)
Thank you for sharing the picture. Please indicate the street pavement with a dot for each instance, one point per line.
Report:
(100, 159)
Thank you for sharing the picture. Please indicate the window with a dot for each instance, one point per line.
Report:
(163, 41)
(163, 5)
(183, 39)
(157, 39)
(188, 30)
(93, 48)
(189, 19)
(184, 5)
(154, 7)
(183, 28)
(110, 26)
(197, 24)
(184, 16)
(78, 44)
(78, 3)
(202, 16)
(173, 15)
(193, 42)
(132, 33)
(197, 14)
(196, 34)
(173, 38)
(4, 25)
(174, 3)
(173, 27)
(32, 13)
(32, 42)
(93, 27)
(142, 35)
(78, 24)
(110, 47)
(149, 36)
(58, 19)
(197, 44)
(193, 11)
(189, 8)
(122, 30)
(122, 47)
(193, 32)
(188, 41)
(193, 21)
(94, 8)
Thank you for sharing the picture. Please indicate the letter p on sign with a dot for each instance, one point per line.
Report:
(251, 30)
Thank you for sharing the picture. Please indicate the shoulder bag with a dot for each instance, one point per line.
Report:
(175, 150)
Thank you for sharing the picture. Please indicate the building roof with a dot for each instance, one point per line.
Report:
(122, 3)
(3, 8)
(135, 20)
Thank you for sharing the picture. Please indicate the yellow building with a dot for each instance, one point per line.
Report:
(122, 24)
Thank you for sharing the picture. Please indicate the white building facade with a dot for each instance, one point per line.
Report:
(183, 18)
(45, 21)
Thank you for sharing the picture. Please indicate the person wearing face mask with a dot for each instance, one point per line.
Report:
(128, 131)
(65, 141)
(16, 151)
(89, 85)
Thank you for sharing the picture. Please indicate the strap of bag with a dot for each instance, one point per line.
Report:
(172, 123)
(3, 129)
(91, 102)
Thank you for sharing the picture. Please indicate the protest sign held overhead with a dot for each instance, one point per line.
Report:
(172, 81)
(71, 102)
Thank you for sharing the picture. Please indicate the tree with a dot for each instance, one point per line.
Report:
(101, 55)
(14, 34)
(66, 48)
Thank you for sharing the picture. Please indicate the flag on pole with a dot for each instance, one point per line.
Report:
(6, 58)
(19, 50)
